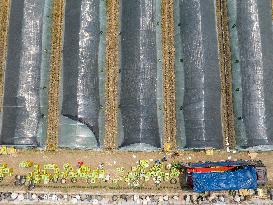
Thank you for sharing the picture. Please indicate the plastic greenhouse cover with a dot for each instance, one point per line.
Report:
(198, 75)
(25, 101)
(139, 71)
(80, 121)
(252, 51)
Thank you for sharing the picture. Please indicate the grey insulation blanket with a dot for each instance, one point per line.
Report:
(255, 43)
(21, 108)
(202, 98)
(138, 100)
(81, 100)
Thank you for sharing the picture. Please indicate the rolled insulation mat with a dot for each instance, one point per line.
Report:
(202, 99)
(138, 100)
(21, 106)
(255, 42)
(81, 101)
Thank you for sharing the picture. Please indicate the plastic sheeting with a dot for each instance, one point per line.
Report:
(202, 99)
(242, 178)
(252, 50)
(256, 50)
(138, 96)
(21, 108)
(81, 98)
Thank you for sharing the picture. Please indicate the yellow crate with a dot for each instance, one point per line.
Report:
(3, 150)
(43, 172)
(6, 171)
(144, 163)
(209, 152)
(102, 171)
(57, 171)
(162, 174)
(31, 174)
(167, 147)
(36, 181)
(29, 178)
(36, 172)
(37, 177)
(244, 192)
(10, 170)
(26, 164)
(66, 165)
(141, 171)
(36, 166)
(50, 166)
(85, 168)
(174, 174)
(29, 163)
(3, 165)
(96, 170)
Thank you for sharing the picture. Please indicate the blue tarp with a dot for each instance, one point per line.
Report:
(242, 178)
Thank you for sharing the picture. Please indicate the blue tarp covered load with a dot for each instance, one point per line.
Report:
(216, 176)
(243, 178)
